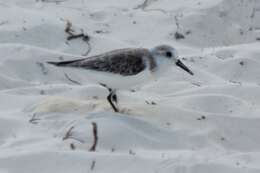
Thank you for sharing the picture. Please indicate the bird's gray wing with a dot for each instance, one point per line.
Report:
(125, 62)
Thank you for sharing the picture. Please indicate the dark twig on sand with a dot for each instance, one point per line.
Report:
(235, 82)
(44, 70)
(34, 120)
(68, 133)
(95, 134)
(179, 36)
(71, 80)
(145, 4)
(93, 164)
(150, 102)
(196, 84)
(74, 35)
(89, 49)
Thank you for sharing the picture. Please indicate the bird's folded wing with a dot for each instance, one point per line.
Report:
(125, 62)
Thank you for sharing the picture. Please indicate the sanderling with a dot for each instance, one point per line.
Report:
(125, 68)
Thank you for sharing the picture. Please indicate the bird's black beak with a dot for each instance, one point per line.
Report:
(184, 67)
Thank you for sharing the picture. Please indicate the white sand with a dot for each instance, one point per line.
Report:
(205, 123)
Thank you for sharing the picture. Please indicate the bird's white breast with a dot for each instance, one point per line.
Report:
(114, 81)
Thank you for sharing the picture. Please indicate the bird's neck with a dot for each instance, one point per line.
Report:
(160, 66)
(151, 63)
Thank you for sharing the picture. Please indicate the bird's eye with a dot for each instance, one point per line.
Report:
(168, 54)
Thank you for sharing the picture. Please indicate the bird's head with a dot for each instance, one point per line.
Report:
(169, 54)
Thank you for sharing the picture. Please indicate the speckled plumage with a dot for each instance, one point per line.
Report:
(125, 62)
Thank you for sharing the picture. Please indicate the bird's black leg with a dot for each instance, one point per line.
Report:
(114, 97)
(111, 97)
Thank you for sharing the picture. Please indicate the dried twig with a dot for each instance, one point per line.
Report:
(179, 35)
(93, 164)
(95, 132)
(74, 35)
(89, 49)
(44, 70)
(68, 133)
(202, 118)
(68, 28)
(196, 84)
(150, 102)
(145, 4)
(71, 80)
(34, 120)
(142, 6)
(235, 82)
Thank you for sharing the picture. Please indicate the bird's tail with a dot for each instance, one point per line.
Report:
(64, 63)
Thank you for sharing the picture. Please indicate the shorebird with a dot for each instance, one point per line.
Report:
(125, 68)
